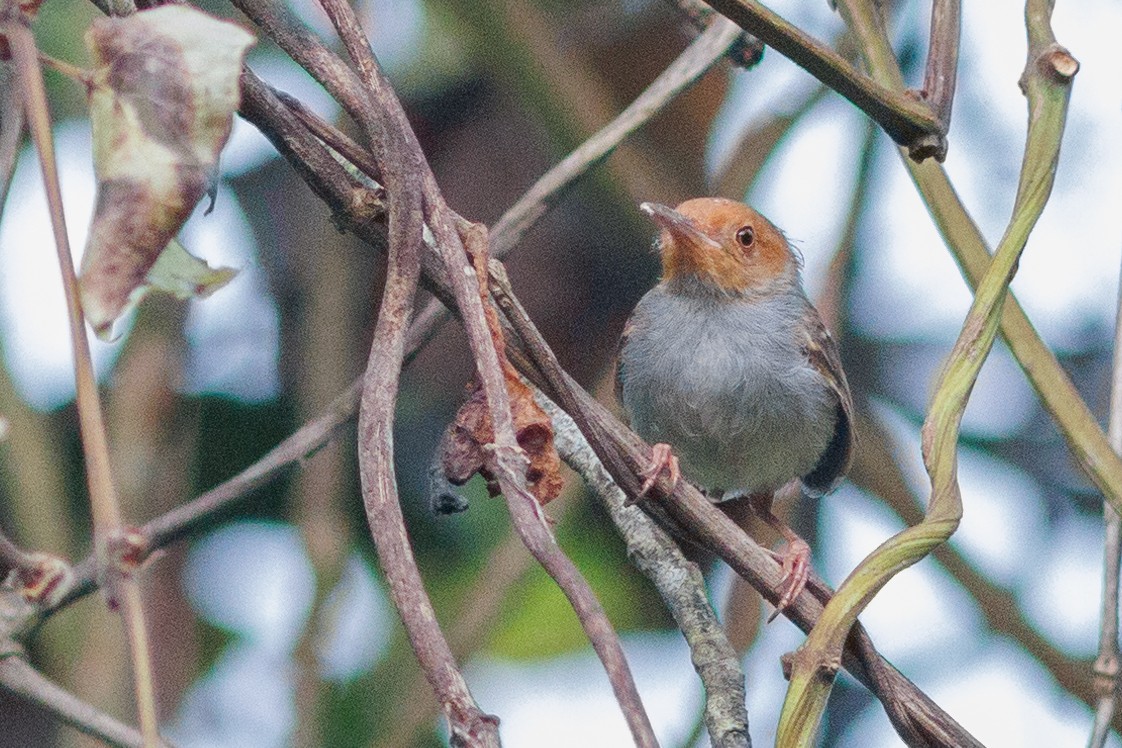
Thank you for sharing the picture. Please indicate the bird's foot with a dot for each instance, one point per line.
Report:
(795, 560)
(661, 459)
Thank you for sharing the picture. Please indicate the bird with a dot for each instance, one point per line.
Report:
(727, 369)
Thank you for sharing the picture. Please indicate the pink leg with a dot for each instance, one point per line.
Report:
(661, 459)
(794, 558)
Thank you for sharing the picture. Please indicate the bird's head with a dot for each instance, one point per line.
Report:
(723, 244)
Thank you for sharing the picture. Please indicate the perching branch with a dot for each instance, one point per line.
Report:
(297, 133)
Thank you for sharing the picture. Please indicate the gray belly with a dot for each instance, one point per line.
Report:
(732, 395)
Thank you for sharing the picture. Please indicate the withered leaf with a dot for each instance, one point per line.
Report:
(463, 452)
(162, 98)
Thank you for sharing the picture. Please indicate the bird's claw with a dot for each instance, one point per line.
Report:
(795, 560)
(661, 459)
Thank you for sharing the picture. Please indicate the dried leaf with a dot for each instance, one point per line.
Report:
(463, 452)
(162, 98)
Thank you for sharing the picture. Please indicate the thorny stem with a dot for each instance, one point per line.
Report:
(1106, 667)
(119, 585)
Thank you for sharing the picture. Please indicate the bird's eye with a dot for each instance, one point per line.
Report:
(746, 236)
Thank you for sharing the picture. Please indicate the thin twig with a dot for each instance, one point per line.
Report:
(1106, 666)
(110, 539)
(11, 132)
(678, 581)
(21, 679)
(75, 73)
(942, 59)
(907, 121)
(509, 467)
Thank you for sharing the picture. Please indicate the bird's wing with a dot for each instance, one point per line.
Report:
(628, 329)
(822, 354)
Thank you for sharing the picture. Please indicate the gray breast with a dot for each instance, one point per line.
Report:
(725, 382)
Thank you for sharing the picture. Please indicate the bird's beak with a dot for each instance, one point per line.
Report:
(678, 226)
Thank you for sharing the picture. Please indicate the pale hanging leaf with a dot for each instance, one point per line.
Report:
(179, 273)
(162, 99)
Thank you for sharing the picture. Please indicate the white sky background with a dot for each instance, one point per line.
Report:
(907, 289)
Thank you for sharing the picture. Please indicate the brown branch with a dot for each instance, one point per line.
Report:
(678, 581)
(403, 171)
(472, 624)
(942, 59)
(21, 679)
(907, 121)
(509, 466)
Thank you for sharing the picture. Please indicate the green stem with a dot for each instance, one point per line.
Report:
(1047, 85)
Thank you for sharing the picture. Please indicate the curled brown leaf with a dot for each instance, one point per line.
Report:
(464, 447)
